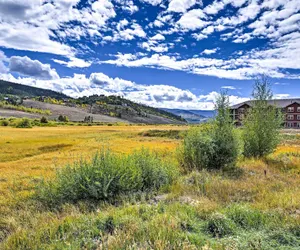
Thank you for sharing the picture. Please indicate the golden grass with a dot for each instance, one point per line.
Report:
(28, 154)
(271, 184)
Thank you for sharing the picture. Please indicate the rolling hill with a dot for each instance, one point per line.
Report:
(10, 88)
(101, 108)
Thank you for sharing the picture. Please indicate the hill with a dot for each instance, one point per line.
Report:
(10, 88)
(193, 116)
(100, 108)
(129, 110)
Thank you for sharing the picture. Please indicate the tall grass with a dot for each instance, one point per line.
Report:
(107, 176)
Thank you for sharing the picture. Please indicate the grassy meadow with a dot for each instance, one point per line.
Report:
(256, 206)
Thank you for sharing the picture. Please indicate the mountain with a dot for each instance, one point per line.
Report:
(205, 113)
(10, 88)
(101, 108)
(193, 116)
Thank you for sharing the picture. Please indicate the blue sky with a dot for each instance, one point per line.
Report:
(164, 53)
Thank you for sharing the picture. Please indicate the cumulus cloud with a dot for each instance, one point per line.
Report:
(158, 37)
(244, 68)
(161, 96)
(3, 58)
(34, 68)
(209, 51)
(192, 20)
(182, 5)
(74, 63)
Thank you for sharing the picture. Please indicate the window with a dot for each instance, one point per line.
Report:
(289, 125)
(298, 109)
(290, 117)
(298, 125)
(298, 117)
(241, 110)
(290, 109)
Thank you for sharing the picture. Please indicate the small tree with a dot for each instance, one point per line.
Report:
(63, 118)
(262, 122)
(224, 136)
(44, 120)
(212, 146)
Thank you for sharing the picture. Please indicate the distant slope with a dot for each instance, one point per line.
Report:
(24, 90)
(73, 113)
(129, 110)
(102, 108)
(193, 116)
(206, 113)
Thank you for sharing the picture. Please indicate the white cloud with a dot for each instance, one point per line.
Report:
(158, 37)
(209, 51)
(193, 20)
(182, 5)
(74, 63)
(152, 2)
(228, 87)
(34, 68)
(130, 33)
(3, 58)
(38, 26)
(199, 37)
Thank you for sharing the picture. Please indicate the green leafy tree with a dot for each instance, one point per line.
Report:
(212, 146)
(224, 135)
(262, 122)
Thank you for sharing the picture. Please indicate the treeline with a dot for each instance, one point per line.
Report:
(9, 88)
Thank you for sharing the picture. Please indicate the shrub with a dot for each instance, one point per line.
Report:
(24, 123)
(106, 176)
(219, 225)
(262, 123)
(197, 149)
(62, 118)
(246, 218)
(44, 120)
(4, 123)
(212, 147)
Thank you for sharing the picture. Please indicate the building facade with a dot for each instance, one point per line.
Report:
(289, 107)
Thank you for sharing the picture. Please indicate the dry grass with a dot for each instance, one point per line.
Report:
(28, 154)
(177, 219)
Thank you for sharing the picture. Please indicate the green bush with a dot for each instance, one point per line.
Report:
(4, 123)
(44, 120)
(219, 225)
(63, 118)
(197, 149)
(23, 123)
(212, 147)
(106, 176)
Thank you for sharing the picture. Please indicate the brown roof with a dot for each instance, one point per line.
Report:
(280, 103)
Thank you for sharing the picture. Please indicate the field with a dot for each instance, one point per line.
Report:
(255, 207)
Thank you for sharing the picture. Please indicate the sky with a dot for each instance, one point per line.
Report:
(163, 53)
